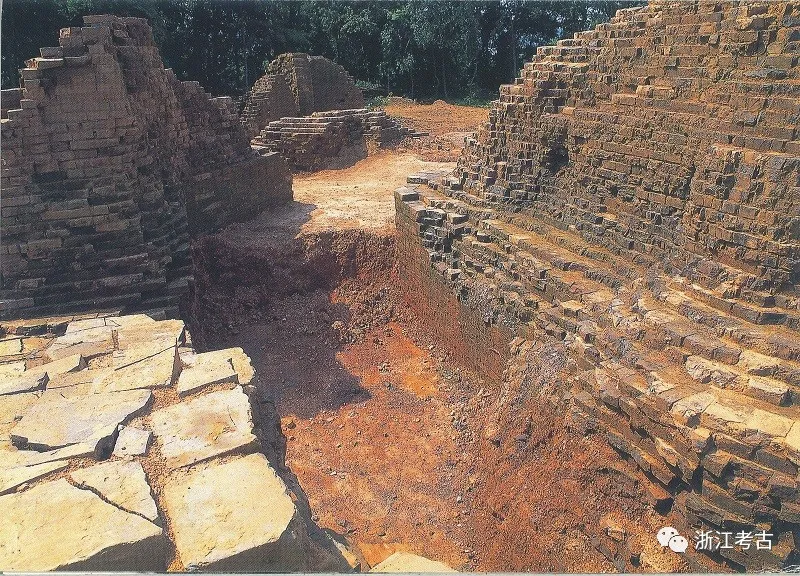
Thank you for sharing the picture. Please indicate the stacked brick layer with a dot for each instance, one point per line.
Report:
(635, 194)
(101, 161)
(310, 142)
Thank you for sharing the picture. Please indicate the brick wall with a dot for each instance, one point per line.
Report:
(107, 162)
(635, 195)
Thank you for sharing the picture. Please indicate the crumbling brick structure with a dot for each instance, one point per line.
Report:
(109, 164)
(298, 84)
(311, 142)
(636, 194)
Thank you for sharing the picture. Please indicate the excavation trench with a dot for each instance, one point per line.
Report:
(386, 431)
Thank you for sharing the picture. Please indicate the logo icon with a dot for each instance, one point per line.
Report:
(668, 536)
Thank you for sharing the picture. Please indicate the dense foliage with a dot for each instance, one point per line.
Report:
(421, 49)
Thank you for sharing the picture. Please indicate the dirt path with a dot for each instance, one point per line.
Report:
(361, 196)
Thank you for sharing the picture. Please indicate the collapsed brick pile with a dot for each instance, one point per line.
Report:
(110, 163)
(311, 142)
(298, 84)
(636, 194)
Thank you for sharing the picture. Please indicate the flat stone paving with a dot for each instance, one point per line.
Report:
(90, 473)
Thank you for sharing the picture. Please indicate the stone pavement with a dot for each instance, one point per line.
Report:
(119, 445)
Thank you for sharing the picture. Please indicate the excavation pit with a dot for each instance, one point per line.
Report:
(398, 439)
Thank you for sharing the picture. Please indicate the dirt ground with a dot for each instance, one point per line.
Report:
(385, 434)
(438, 118)
(446, 124)
(395, 446)
(360, 196)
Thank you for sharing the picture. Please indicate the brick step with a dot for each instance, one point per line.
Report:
(739, 307)
(752, 354)
(550, 263)
(775, 341)
(296, 130)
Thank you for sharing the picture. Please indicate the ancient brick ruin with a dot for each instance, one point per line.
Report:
(310, 142)
(309, 110)
(636, 195)
(298, 84)
(110, 164)
(630, 212)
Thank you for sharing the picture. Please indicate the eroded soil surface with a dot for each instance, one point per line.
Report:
(394, 445)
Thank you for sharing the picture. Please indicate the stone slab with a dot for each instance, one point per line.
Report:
(25, 382)
(12, 457)
(12, 369)
(132, 441)
(122, 483)
(71, 363)
(233, 516)
(130, 334)
(203, 427)
(13, 406)
(56, 526)
(158, 369)
(207, 369)
(10, 347)
(408, 562)
(55, 421)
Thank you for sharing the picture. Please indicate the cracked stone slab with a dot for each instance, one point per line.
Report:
(206, 369)
(13, 478)
(122, 483)
(132, 442)
(56, 526)
(203, 427)
(408, 562)
(78, 383)
(157, 369)
(234, 516)
(55, 421)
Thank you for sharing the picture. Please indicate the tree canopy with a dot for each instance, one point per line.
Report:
(421, 49)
